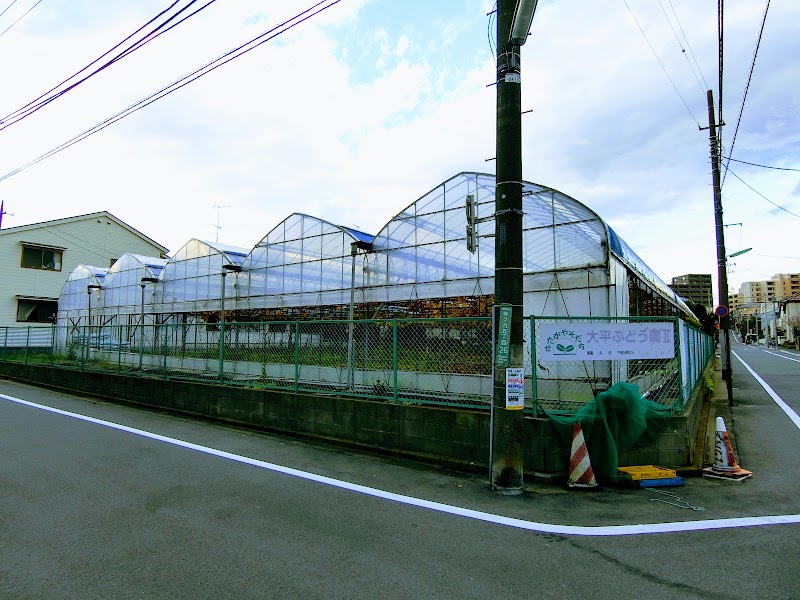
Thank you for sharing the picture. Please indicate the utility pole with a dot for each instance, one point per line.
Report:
(507, 421)
(722, 267)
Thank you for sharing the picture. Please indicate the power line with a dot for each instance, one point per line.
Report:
(20, 19)
(757, 165)
(263, 38)
(13, 2)
(44, 99)
(762, 195)
(661, 64)
(746, 88)
(680, 45)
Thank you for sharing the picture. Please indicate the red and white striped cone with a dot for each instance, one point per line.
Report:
(725, 465)
(581, 475)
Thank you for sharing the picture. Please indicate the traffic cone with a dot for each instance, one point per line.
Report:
(725, 466)
(581, 475)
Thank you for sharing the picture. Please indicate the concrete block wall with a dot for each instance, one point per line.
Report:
(455, 437)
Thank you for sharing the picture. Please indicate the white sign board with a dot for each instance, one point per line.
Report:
(604, 341)
(515, 389)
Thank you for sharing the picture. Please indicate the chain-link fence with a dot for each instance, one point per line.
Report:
(435, 361)
(432, 361)
(576, 358)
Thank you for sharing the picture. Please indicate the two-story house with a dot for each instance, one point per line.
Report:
(38, 258)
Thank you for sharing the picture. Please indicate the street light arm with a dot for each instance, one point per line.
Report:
(521, 23)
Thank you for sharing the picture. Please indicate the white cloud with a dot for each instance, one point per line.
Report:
(353, 127)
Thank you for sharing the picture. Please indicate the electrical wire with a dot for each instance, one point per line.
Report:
(22, 17)
(5, 10)
(263, 38)
(744, 98)
(688, 45)
(661, 64)
(41, 101)
(757, 165)
(763, 196)
(683, 50)
(490, 30)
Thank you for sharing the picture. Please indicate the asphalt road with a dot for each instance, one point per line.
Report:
(89, 510)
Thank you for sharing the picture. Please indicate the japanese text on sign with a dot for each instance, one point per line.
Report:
(503, 336)
(604, 341)
(515, 389)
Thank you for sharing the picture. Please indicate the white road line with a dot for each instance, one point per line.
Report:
(608, 530)
(779, 356)
(778, 400)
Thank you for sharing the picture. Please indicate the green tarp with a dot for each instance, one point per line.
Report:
(612, 423)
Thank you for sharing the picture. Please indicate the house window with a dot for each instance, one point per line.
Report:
(41, 257)
(32, 310)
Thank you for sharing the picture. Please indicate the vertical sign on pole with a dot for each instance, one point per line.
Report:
(503, 335)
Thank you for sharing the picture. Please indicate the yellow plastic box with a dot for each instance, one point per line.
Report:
(648, 472)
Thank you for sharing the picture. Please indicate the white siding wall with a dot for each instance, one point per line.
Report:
(95, 240)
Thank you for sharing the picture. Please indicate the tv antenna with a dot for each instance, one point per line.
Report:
(217, 225)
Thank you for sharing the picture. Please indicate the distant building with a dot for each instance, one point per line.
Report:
(734, 301)
(695, 288)
(757, 291)
(786, 285)
(38, 259)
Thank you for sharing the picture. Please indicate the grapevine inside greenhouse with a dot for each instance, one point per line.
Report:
(320, 302)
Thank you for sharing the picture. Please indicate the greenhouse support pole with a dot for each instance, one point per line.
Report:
(722, 267)
(507, 424)
(350, 356)
(141, 335)
(222, 332)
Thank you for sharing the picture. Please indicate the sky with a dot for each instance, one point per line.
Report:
(358, 111)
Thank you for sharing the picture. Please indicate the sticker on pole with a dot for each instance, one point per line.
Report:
(721, 311)
(515, 388)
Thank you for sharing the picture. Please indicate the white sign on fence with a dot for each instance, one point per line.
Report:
(604, 341)
(515, 389)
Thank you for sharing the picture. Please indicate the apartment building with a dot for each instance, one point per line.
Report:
(40, 257)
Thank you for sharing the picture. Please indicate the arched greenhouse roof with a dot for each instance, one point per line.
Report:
(629, 257)
(73, 295)
(304, 256)
(96, 275)
(427, 241)
(150, 266)
(303, 238)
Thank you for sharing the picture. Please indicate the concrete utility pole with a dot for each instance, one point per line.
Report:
(722, 267)
(507, 422)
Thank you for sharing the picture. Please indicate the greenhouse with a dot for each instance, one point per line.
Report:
(417, 265)
(209, 298)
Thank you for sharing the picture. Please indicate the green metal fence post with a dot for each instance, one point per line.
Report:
(296, 356)
(676, 328)
(85, 347)
(394, 358)
(5, 344)
(166, 345)
(53, 344)
(534, 378)
(119, 349)
(222, 350)
(27, 343)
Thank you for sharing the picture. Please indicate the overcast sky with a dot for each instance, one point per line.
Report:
(357, 112)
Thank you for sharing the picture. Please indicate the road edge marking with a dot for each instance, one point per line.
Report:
(576, 530)
(772, 393)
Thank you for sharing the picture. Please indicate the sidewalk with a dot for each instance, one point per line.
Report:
(717, 407)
